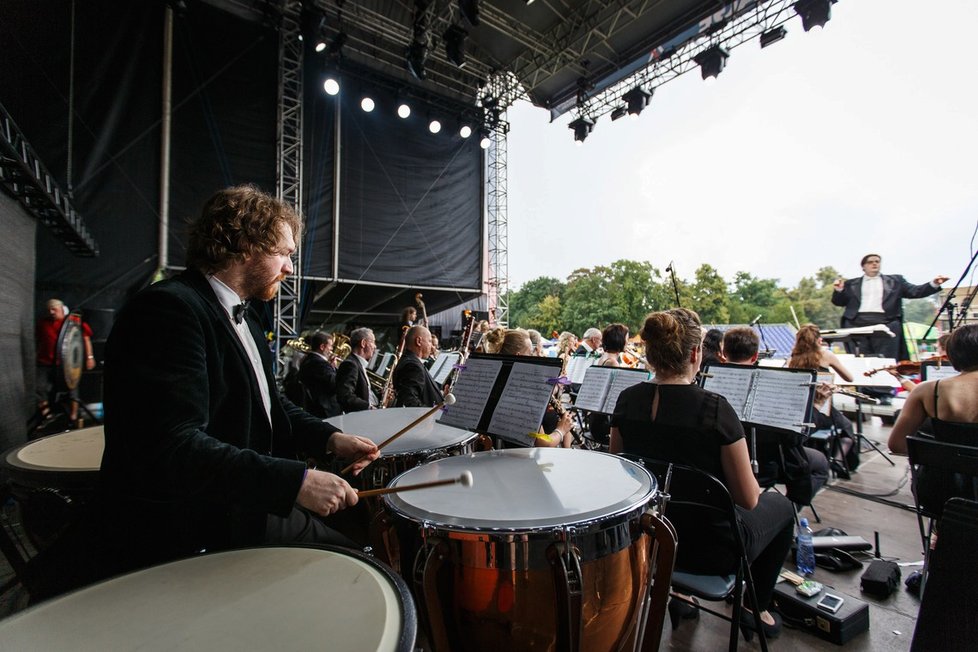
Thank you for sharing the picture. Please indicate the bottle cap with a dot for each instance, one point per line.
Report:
(803, 522)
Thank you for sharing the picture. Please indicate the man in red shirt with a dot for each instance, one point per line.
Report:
(49, 377)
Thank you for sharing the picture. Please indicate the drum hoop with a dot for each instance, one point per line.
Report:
(427, 450)
(33, 476)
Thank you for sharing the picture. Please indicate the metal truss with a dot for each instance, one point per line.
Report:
(727, 31)
(289, 162)
(26, 179)
(503, 89)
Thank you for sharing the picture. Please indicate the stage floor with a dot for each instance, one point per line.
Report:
(891, 620)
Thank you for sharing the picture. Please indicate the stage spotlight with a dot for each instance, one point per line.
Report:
(529, 2)
(367, 104)
(331, 84)
(403, 110)
(484, 140)
(773, 35)
(465, 131)
(636, 100)
(582, 127)
(320, 45)
(312, 28)
(434, 126)
(618, 112)
(455, 44)
(814, 13)
(417, 55)
(470, 10)
(712, 60)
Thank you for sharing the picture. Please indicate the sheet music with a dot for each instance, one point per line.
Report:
(577, 366)
(933, 372)
(471, 393)
(780, 399)
(858, 366)
(522, 404)
(443, 366)
(733, 384)
(594, 389)
(621, 380)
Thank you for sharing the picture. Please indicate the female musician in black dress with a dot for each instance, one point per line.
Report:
(674, 420)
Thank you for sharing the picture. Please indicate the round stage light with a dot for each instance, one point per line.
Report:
(484, 142)
(434, 126)
(403, 110)
(367, 104)
(465, 131)
(331, 86)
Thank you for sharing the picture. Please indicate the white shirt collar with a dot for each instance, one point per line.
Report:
(225, 295)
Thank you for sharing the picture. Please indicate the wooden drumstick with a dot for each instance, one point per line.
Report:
(449, 400)
(465, 480)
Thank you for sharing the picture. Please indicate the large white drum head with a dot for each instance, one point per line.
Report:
(378, 425)
(258, 599)
(524, 489)
(76, 450)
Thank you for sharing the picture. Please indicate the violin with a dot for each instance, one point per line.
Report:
(907, 367)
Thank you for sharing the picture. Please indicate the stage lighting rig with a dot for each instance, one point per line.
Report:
(773, 36)
(417, 52)
(582, 128)
(636, 100)
(712, 60)
(454, 38)
(619, 112)
(814, 13)
(313, 27)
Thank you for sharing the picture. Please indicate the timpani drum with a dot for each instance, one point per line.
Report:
(253, 599)
(546, 551)
(52, 478)
(427, 441)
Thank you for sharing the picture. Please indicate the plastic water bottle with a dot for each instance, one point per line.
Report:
(804, 553)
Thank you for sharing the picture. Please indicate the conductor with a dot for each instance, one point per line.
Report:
(875, 298)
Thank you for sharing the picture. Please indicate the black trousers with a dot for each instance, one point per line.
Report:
(879, 345)
(767, 532)
(302, 526)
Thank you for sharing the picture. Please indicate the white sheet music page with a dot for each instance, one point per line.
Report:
(522, 404)
(732, 383)
(443, 366)
(471, 393)
(621, 380)
(577, 366)
(780, 399)
(934, 372)
(594, 389)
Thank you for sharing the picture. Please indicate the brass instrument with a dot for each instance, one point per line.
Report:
(298, 344)
(387, 393)
(467, 331)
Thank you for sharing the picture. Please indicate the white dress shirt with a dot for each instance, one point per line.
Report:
(872, 294)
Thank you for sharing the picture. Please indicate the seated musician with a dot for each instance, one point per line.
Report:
(613, 339)
(674, 420)
(536, 342)
(566, 345)
(352, 385)
(590, 343)
(810, 352)
(805, 470)
(318, 377)
(952, 407)
(413, 385)
(713, 347)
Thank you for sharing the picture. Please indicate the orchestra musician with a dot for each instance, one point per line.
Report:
(200, 449)
(352, 385)
(566, 345)
(317, 374)
(875, 298)
(413, 385)
(713, 348)
(675, 420)
(804, 470)
(590, 343)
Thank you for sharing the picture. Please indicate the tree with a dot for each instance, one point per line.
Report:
(545, 317)
(812, 299)
(524, 303)
(708, 296)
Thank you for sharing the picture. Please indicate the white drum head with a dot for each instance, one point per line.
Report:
(378, 425)
(258, 599)
(524, 489)
(76, 450)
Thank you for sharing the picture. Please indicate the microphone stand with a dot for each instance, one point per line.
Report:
(950, 295)
(767, 349)
(675, 285)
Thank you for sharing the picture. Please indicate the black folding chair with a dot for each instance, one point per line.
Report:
(940, 461)
(696, 499)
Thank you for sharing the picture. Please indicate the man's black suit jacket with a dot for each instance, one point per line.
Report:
(412, 383)
(895, 288)
(352, 388)
(191, 461)
(318, 378)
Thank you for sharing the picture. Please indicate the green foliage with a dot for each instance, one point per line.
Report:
(524, 304)
(921, 311)
(708, 296)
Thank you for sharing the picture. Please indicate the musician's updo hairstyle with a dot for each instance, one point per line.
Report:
(494, 340)
(670, 337)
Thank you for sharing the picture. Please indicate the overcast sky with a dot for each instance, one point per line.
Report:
(859, 137)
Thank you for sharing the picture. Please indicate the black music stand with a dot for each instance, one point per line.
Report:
(847, 338)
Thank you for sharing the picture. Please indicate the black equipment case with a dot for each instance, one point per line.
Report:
(799, 611)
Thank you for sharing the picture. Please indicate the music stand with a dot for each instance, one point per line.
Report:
(841, 335)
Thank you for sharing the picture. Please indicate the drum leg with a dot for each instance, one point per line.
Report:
(568, 582)
(661, 562)
(427, 572)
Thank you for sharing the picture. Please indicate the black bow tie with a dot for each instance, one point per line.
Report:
(238, 312)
